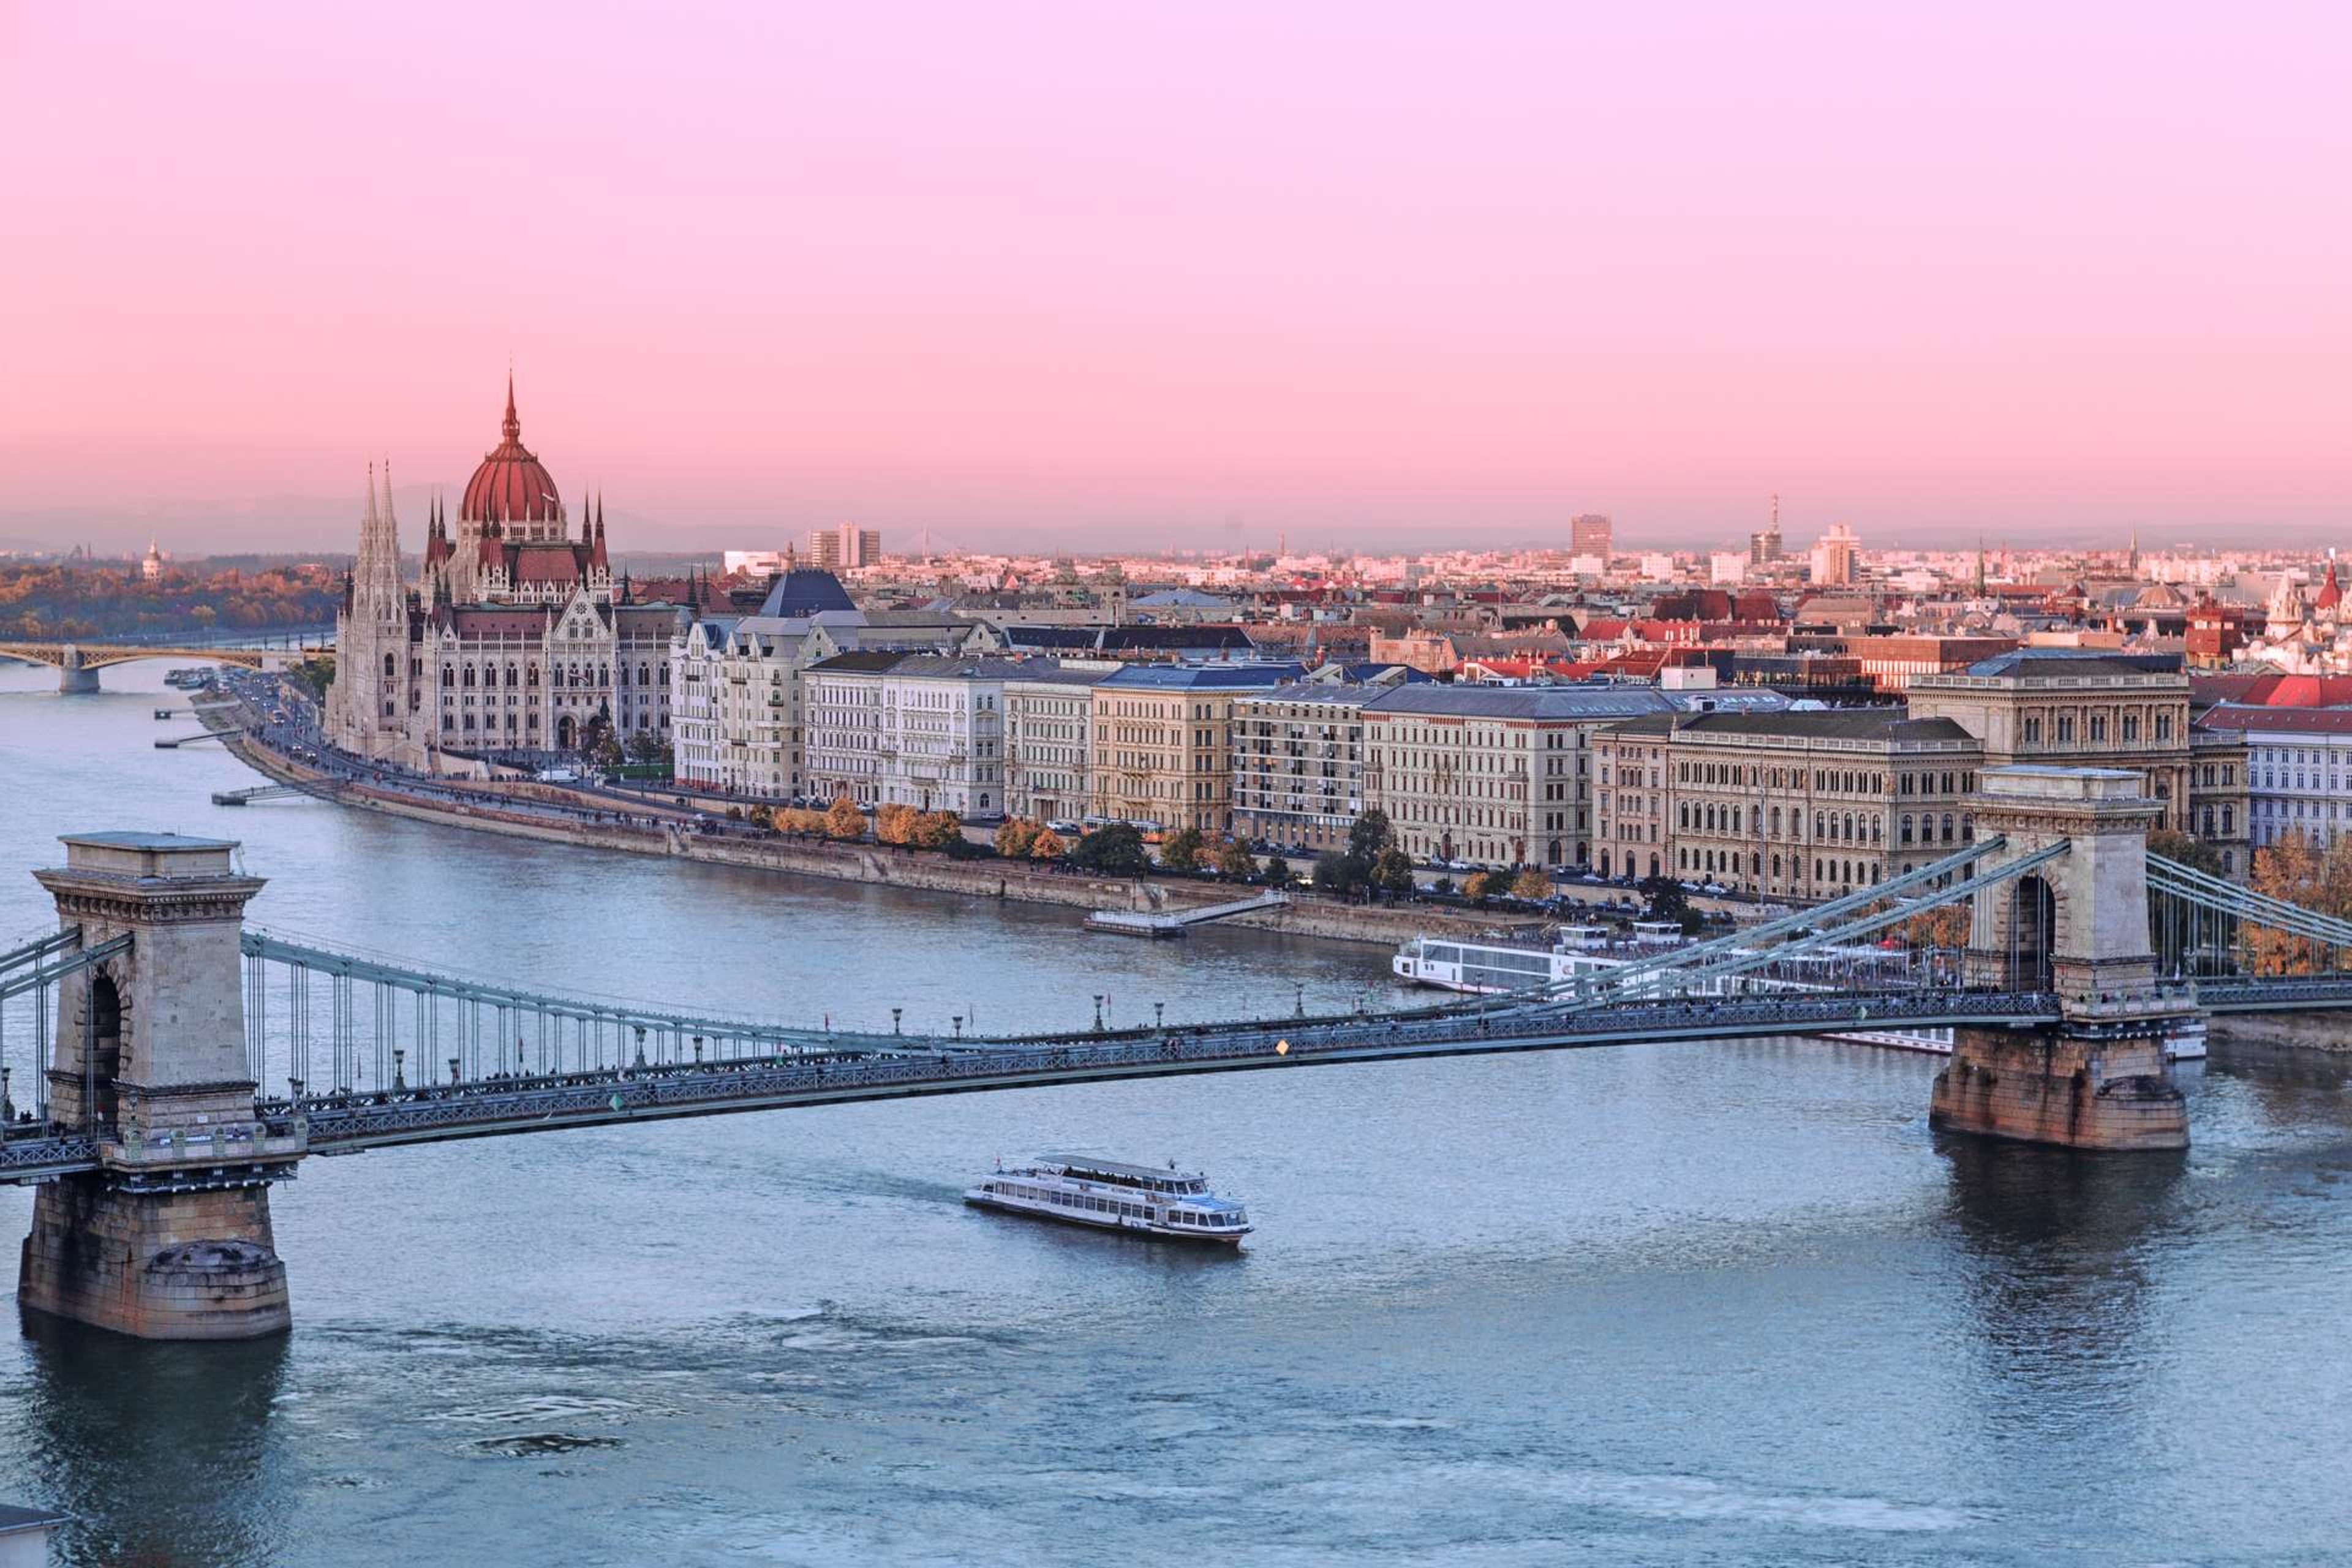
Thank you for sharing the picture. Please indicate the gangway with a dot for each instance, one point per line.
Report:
(171, 742)
(271, 792)
(1176, 922)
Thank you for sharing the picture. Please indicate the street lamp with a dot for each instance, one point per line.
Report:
(1298, 998)
(641, 1043)
(894, 1018)
(398, 1080)
(1098, 1001)
(1157, 1010)
(958, 1021)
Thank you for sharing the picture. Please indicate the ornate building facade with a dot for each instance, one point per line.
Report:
(515, 637)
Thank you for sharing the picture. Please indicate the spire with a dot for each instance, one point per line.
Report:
(367, 518)
(512, 427)
(391, 523)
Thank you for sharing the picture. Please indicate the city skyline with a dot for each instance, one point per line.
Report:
(1054, 280)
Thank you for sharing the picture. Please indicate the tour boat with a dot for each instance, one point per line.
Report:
(1500, 967)
(1109, 1194)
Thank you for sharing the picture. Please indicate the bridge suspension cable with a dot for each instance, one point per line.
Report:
(1628, 976)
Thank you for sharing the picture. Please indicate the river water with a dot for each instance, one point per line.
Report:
(1668, 1304)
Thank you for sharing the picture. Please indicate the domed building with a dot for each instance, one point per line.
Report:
(515, 641)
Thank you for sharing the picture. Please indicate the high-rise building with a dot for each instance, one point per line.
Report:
(1836, 557)
(844, 548)
(1588, 535)
(1764, 544)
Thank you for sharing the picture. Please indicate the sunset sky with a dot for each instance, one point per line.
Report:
(1098, 274)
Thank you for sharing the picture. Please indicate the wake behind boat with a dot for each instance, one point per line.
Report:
(1109, 1194)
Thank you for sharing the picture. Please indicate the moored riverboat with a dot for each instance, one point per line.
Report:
(1162, 1204)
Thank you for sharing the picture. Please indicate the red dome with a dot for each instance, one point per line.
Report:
(511, 486)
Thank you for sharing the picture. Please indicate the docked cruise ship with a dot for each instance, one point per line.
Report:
(1109, 1194)
(1496, 968)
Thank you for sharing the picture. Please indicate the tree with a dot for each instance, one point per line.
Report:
(1669, 902)
(2292, 870)
(1181, 851)
(843, 820)
(894, 823)
(1278, 873)
(2194, 853)
(1367, 835)
(1116, 850)
(1048, 846)
(1478, 885)
(1335, 874)
(1015, 836)
(936, 830)
(646, 748)
(1392, 871)
(1235, 862)
(1531, 885)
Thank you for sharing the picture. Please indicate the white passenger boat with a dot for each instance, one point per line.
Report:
(1498, 968)
(1110, 1194)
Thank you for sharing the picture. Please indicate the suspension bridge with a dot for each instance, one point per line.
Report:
(163, 1064)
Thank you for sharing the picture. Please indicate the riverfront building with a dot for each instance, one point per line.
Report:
(902, 729)
(737, 701)
(2073, 708)
(515, 637)
(2299, 767)
(1495, 776)
(1298, 765)
(1049, 726)
(1799, 806)
(1163, 743)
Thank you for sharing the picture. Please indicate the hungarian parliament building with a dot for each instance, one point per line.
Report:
(514, 637)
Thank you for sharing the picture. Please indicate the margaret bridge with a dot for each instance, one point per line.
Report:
(162, 1063)
(77, 662)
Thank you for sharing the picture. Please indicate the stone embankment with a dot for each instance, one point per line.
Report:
(1011, 882)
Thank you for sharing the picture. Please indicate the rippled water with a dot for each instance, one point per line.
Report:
(1682, 1304)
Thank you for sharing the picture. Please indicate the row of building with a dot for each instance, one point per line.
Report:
(517, 635)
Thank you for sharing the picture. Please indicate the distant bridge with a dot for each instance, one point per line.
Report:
(2059, 1006)
(78, 662)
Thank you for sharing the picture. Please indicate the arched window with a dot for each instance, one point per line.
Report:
(1903, 829)
(448, 678)
(1948, 827)
(391, 669)
(469, 675)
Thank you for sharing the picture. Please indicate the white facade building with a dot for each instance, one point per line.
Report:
(1049, 736)
(920, 729)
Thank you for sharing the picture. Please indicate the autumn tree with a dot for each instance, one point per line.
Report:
(1531, 885)
(1016, 837)
(843, 820)
(1479, 886)
(895, 824)
(935, 830)
(1048, 846)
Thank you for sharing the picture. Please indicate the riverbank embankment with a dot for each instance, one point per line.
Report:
(887, 865)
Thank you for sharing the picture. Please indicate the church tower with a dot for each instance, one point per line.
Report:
(365, 704)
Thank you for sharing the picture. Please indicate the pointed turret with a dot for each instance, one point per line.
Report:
(596, 559)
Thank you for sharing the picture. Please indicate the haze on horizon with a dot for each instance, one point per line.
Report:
(1052, 274)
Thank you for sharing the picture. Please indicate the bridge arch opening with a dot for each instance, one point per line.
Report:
(104, 1043)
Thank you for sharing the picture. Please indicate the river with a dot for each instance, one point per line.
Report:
(1712, 1303)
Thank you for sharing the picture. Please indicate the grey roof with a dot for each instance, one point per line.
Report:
(1187, 598)
(951, 667)
(1883, 724)
(1555, 703)
(1319, 696)
(1055, 671)
(123, 839)
(1206, 677)
(803, 591)
(2044, 663)
(863, 662)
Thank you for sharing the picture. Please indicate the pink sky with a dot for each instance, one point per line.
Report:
(1099, 273)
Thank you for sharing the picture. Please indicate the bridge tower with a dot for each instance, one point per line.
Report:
(170, 1238)
(2076, 925)
(73, 675)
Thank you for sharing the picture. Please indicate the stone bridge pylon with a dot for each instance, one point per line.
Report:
(2076, 925)
(170, 1238)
